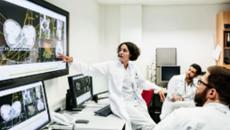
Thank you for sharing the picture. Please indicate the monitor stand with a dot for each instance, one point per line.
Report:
(70, 104)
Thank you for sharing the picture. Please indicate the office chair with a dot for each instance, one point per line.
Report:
(147, 96)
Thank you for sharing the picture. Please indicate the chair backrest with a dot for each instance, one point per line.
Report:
(147, 96)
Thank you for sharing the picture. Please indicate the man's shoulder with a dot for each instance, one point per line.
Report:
(201, 115)
(178, 77)
(189, 110)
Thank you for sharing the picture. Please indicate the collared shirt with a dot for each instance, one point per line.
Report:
(178, 86)
(212, 116)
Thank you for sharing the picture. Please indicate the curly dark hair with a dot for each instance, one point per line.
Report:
(133, 50)
(197, 67)
(219, 78)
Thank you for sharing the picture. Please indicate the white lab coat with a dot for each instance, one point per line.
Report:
(178, 86)
(212, 116)
(114, 71)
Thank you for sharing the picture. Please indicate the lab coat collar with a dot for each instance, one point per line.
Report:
(192, 84)
(120, 64)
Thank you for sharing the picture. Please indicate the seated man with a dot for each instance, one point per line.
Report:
(213, 94)
(181, 91)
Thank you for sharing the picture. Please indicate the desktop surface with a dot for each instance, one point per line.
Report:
(110, 122)
(87, 120)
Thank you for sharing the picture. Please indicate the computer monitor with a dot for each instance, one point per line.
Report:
(32, 38)
(168, 71)
(24, 107)
(165, 72)
(80, 91)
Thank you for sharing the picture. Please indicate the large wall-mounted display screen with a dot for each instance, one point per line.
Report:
(24, 107)
(32, 35)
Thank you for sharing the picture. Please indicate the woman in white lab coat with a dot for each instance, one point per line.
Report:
(125, 84)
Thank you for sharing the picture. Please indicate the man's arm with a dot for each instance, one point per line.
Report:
(172, 90)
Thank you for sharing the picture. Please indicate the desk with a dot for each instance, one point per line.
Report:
(110, 122)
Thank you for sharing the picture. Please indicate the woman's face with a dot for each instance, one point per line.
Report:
(124, 54)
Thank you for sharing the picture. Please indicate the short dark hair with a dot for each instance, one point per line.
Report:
(133, 50)
(197, 67)
(219, 78)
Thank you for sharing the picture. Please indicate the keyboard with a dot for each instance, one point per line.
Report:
(105, 111)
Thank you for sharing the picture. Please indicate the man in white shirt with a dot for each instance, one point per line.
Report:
(181, 91)
(213, 94)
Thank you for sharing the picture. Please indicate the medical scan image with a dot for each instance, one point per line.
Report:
(20, 106)
(29, 37)
(82, 86)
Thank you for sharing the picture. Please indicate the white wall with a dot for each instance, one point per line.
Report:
(116, 24)
(189, 28)
(83, 42)
(131, 23)
(110, 28)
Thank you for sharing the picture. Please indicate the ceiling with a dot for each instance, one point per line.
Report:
(161, 2)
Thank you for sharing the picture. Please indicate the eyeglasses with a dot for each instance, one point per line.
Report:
(202, 82)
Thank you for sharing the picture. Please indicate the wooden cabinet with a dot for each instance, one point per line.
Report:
(223, 37)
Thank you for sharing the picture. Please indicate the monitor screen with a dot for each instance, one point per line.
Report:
(80, 89)
(32, 35)
(168, 71)
(24, 107)
(100, 85)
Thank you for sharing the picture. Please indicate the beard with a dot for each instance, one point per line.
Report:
(200, 98)
(188, 77)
